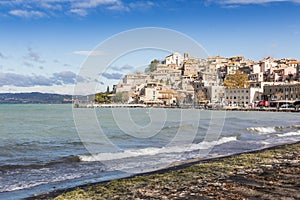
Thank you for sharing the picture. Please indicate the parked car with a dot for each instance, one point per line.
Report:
(287, 105)
(297, 104)
(263, 103)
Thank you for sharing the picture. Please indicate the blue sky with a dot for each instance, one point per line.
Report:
(44, 43)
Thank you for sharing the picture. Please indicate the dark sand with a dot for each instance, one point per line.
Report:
(268, 174)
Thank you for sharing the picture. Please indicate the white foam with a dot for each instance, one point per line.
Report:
(265, 142)
(208, 145)
(262, 130)
(289, 134)
(154, 151)
(20, 186)
(24, 184)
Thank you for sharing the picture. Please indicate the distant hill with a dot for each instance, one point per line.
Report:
(34, 97)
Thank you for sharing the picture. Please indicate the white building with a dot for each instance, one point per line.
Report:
(134, 79)
(122, 87)
(210, 79)
(242, 96)
(215, 94)
(256, 69)
(174, 59)
(165, 74)
(217, 60)
(256, 77)
(232, 68)
(151, 94)
(268, 64)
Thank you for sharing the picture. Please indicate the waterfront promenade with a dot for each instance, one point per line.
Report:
(225, 108)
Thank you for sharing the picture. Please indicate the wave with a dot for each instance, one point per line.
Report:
(262, 130)
(154, 151)
(289, 134)
(177, 126)
(64, 160)
(271, 129)
(183, 126)
(32, 183)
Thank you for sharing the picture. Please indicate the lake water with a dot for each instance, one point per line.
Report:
(43, 150)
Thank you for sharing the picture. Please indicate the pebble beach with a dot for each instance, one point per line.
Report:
(272, 173)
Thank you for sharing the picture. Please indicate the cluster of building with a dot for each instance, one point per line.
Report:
(187, 80)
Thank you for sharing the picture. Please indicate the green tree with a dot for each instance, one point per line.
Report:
(237, 80)
(100, 97)
(152, 66)
(107, 90)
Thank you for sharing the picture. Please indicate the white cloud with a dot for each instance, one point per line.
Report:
(57, 89)
(119, 6)
(27, 13)
(114, 76)
(53, 6)
(34, 56)
(141, 5)
(79, 11)
(21, 80)
(116, 5)
(89, 53)
(6, 2)
(230, 2)
(37, 9)
(93, 3)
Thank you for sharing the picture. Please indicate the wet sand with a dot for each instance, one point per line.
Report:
(272, 173)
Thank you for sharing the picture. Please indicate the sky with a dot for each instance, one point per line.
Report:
(44, 43)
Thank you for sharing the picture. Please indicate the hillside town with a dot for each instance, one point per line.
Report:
(188, 81)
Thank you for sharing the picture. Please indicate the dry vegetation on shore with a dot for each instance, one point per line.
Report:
(269, 174)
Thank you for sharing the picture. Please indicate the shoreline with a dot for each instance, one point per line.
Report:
(265, 109)
(92, 190)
